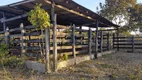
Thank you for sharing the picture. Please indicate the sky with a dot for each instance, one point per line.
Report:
(90, 4)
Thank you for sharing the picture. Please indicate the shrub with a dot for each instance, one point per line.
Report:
(3, 50)
(65, 56)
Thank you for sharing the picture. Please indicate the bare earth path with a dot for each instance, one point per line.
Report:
(118, 66)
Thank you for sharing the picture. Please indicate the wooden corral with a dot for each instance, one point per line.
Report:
(65, 36)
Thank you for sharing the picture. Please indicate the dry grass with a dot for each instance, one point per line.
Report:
(118, 66)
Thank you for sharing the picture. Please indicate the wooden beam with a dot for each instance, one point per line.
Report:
(108, 41)
(101, 42)
(71, 11)
(47, 50)
(108, 30)
(22, 40)
(7, 35)
(54, 22)
(19, 3)
(73, 43)
(80, 32)
(14, 18)
(29, 38)
(90, 42)
(113, 39)
(96, 41)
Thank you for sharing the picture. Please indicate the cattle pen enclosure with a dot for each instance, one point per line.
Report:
(64, 39)
(27, 41)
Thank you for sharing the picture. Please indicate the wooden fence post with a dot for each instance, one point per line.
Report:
(108, 42)
(90, 42)
(54, 22)
(113, 39)
(81, 35)
(29, 38)
(101, 42)
(73, 42)
(47, 42)
(7, 35)
(22, 40)
(133, 45)
(55, 42)
(117, 39)
(96, 41)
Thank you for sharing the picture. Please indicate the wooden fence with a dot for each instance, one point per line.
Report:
(128, 43)
(70, 40)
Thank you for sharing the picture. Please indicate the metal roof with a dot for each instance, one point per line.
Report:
(67, 12)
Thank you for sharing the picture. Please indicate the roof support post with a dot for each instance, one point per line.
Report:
(90, 42)
(73, 43)
(54, 22)
(96, 41)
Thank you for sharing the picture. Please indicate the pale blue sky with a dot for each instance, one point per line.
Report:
(90, 4)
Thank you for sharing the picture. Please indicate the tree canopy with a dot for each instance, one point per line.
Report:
(135, 21)
(116, 10)
(126, 12)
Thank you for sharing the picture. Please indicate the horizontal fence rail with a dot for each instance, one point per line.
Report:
(27, 40)
(129, 43)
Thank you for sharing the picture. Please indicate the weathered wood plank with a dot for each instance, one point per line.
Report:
(47, 48)
(14, 18)
(15, 29)
(101, 42)
(96, 41)
(22, 39)
(15, 35)
(73, 42)
(108, 41)
(81, 30)
(54, 20)
(58, 48)
(90, 42)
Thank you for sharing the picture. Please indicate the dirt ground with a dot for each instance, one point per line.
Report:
(117, 66)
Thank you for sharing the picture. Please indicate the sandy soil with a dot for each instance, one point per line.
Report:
(117, 66)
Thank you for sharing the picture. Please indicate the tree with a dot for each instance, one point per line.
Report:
(116, 10)
(135, 21)
(40, 19)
